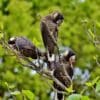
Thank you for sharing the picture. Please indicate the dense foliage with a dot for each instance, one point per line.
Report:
(22, 18)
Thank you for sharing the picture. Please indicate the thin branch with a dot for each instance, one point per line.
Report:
(98, 63)
(53, 86)
(96, 41)
(28, 63)
(55, 79)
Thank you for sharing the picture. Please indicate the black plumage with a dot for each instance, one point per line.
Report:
(69, 56)
(63, 70)
(64, 74)
(25, 47)
(49, 30)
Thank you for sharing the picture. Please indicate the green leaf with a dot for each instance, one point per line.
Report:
(74, 97)
(89, 84)
(28, 94)
(70, 89)
(91, 33)
(6, 84)
(95, 80)
(85, 21)
(1, 35)
(77, 97)
(1, 26)
(15, 93)
(12, 86)
(37, 43)
(94, 57)
(85, 98)
(98, 87)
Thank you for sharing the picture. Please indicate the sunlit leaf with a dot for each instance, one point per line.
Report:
(98, 87)
(95, 80)
(74, 97)
(77, 97)
(85, 98)
(12, 86)
(89, 84)
(36, 42)
(1, 35)
(15, 93)
(91, 33)
(28, 94)
(6, 84)
(94, 57)
(84, 21)
(70, 89)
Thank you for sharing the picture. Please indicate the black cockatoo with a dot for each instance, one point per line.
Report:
(25, 47)
(63, 70)
(49, 30)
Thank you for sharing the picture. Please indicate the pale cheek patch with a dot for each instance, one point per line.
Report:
(12, 39)
(55, 15)
(73, 57)
(66, 53)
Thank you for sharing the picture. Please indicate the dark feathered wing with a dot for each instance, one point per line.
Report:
(49, 36)
(26, 47)
(63, 75)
